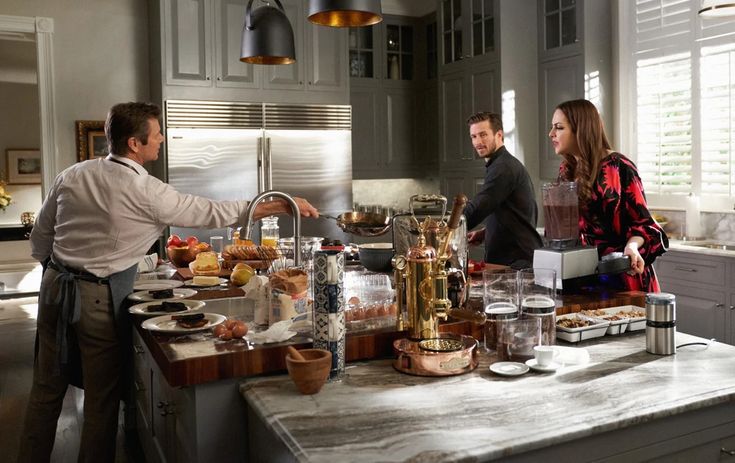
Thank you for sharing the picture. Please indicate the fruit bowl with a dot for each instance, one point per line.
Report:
(181, 256)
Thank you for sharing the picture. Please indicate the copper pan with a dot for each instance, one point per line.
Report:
(362, 223)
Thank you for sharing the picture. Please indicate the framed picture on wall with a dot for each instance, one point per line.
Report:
(23, 166)
(91, 141)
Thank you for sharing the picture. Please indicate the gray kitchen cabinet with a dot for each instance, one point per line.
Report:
(185, 424)
(558, 22)
(474, 88)
(467, 31)
(384, 89)
(702, 289)
(559, 80)
(195, 54)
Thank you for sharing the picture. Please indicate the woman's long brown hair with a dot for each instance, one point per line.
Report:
(586, 125)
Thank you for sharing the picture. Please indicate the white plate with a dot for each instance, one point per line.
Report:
(533, 365)
(509, 368)
(164, 324)
(179, 293)
(222, 281)
(141, 309)
(155, 285)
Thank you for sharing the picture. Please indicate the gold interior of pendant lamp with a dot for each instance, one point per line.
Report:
(268, 60)
(345, 18)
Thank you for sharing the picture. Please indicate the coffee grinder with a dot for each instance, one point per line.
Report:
(575, 264)
(422, 299)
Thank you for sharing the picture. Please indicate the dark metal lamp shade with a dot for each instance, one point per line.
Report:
(345, 13)
(267, 37)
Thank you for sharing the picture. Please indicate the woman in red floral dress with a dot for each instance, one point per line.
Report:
(613, 215)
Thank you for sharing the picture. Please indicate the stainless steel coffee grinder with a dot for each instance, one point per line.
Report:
(661, 323)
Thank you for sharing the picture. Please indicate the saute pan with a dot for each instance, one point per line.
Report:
(362, 223)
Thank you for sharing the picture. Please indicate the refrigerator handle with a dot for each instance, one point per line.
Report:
(261, 166)
(268, 165)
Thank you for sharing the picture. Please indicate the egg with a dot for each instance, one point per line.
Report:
(354, 300)
(371, 312)
(230, 323)
(383, 310)
(219, 330)
(358, 313)
(349, 315)
(226, 336)
(239, 330)
(393, 309)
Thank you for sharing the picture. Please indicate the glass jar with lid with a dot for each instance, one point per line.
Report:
(269, 231)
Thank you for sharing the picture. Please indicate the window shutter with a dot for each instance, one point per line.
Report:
(717, 99)
(664, 128)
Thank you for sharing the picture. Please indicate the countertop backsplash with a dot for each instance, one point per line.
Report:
(392, 193)
(719, 226)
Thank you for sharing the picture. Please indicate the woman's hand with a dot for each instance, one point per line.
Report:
(637, 264)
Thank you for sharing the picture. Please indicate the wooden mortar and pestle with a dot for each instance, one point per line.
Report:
(308, 368)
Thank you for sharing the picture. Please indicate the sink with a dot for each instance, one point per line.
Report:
(724, 247)
(239, 307)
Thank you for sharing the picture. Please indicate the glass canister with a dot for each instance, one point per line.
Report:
(538, 300)
(269, 231)
(497, 314)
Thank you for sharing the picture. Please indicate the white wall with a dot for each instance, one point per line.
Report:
(100, 58)
(19, 128)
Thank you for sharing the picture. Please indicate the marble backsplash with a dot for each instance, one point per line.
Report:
(713, 225)
(392, 193)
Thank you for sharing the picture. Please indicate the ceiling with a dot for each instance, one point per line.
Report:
(416, 8)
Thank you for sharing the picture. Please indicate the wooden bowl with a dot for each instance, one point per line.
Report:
(181, 257)
(310, 375)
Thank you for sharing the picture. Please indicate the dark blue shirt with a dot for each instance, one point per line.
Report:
(508, 207)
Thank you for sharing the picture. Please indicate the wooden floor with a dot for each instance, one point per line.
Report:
(17, 334)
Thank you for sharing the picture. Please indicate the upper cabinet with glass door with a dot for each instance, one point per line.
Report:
(467, 30)
(559, 20)
(363, 54)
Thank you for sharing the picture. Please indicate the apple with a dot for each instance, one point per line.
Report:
(174, 240)
(192, 241)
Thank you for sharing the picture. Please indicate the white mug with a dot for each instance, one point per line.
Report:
(544, 355)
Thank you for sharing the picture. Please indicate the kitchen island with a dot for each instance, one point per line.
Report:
(187, 402)
(624, 405)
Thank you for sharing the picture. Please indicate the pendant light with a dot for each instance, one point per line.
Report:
(345, 13)
(717, 8)
(267, 37)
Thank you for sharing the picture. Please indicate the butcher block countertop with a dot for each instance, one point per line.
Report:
(201, 358)
(624, 405)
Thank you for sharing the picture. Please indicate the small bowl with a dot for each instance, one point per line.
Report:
(181, 257)
(376, 256)
(310, 375)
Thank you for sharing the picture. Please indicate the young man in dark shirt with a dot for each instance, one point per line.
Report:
(506, 203)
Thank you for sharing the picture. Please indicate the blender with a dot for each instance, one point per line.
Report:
(574, 263)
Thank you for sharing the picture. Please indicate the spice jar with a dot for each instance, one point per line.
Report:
(269, 231)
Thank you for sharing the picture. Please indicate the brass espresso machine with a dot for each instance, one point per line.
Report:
(422, 299)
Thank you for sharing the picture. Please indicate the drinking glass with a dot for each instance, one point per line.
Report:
(538, 300)
(517, 338)
(217, 243)
(499, 301)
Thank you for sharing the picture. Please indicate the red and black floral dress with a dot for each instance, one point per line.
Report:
(616, 212)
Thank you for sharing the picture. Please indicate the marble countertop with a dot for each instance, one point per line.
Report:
(691, 246)
(378, 414)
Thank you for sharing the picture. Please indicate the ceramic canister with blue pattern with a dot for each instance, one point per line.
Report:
(329, 308)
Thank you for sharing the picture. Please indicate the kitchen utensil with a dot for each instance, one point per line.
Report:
(362, 223)
(411, 358)
(295, 354)
(661, 323)
(311, 373)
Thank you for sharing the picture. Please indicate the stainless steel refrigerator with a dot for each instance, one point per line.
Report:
(231, 150)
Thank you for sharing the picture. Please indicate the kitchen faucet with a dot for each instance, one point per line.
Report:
(296, 220)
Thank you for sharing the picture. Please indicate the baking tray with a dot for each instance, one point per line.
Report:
(631, 323)
(596, 329)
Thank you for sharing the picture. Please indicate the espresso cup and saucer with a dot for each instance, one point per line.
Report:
(543, 360)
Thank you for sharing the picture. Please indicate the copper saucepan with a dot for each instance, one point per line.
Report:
(362, 223)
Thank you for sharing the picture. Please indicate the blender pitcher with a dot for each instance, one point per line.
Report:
(561, 214)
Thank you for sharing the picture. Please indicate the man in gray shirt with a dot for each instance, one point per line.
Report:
(506, 203)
